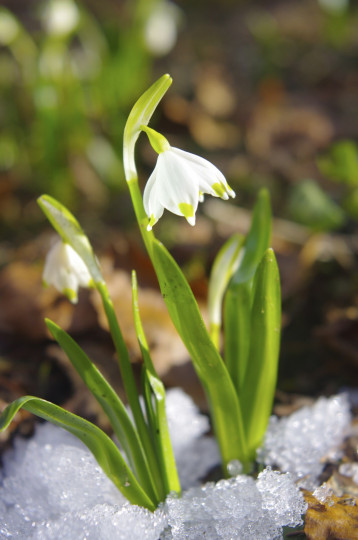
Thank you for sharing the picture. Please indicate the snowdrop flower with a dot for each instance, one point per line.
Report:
(66, 270)
(179, 181)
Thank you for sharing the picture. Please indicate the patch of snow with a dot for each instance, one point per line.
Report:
(52, 488)
(301, 442)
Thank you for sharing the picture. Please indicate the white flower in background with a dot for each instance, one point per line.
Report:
(60, 17)
(65, 270)
(161, 28)
(179, 181)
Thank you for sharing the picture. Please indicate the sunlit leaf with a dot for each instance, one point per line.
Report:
(185, 314)
(109, 401)
(257, 392)
(102, 447)
(238, 298)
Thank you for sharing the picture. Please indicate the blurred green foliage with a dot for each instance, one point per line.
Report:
(67, 80)
(310, 205)
(340, 164)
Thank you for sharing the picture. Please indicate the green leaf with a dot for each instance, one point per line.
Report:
(102, 447)
(185, 314)
(157, 415)
(110, 403)
(237, 312)
(71, 233)
(141, 115)
(257, 240)
(258, 390)
(238, 298)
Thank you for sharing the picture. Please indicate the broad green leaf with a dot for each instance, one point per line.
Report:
(238, 298)
(257, 393)
(225, 264)
(257, 240)
(141, 115)
(102, 447)
(157, 414)
(71, 233)
(110, 403)
(185, 314)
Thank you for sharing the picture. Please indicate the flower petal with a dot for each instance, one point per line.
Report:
(176, 183)
(210, 179)
(152, 206)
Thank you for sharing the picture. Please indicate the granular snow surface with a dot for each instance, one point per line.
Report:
(52, 488)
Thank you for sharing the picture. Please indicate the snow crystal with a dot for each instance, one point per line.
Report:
(236, 508)
(298, 443)
(52, 488)
(324, 494)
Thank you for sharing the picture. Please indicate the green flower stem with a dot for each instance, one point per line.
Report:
(130, 386)
(142, 218)
(154, 388)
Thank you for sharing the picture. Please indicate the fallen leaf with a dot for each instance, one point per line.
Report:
(334, 519)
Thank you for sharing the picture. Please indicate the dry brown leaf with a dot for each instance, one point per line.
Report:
(336, 519)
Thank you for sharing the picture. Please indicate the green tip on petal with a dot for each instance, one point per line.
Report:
(71, 295)
(158, 142)
(187, 211)
(219, 189)
(152, 221)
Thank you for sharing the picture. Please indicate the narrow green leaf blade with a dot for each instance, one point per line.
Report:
(237, 314)
(157, 414)
(260, 381)
(110, 403)
(185, 314)
(71, 233)
(257, 240)
(101, 446)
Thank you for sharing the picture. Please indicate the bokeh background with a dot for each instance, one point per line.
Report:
(267, 90)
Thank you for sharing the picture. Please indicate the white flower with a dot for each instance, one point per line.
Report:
(179, 181)
(65, 270)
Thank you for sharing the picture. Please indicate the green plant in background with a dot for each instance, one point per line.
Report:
(310, 205)
(64, 93)
(340, 164)
(239, 387)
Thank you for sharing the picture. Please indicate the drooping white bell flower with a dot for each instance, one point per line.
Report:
(66, 271)
(179, 181)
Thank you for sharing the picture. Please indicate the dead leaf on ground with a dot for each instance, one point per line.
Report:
(335, 519)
